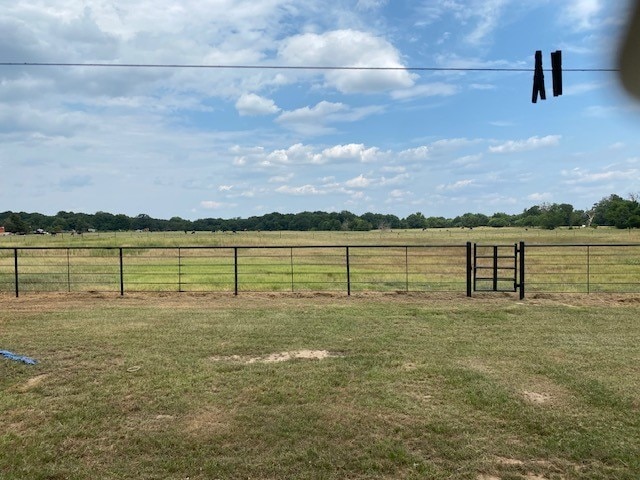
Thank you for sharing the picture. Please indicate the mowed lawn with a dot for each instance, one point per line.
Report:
(320, 386)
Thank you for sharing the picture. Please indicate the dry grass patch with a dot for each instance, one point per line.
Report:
(32, 382)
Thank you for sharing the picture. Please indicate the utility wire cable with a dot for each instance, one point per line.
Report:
(289, 67)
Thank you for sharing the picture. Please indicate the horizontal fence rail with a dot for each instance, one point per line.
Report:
(349, 269)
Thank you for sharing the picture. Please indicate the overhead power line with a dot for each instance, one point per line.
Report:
(288, 67)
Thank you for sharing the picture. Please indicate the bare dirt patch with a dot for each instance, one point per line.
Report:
(33, 382)
(509, 461)
(279, 357)
(535, 397)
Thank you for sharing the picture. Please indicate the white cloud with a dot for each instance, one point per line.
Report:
(358, 182)
(280, 178)
(224, 188)
(297, 154)
(532, 143)
(459, 185)
(399, 193)
(453, 143)
(351, 151)
(213, 205)
(252, 104)
(437, 89)
(313, 120)
(468, 160)
(301, 154)
(488, 14)
(479, 18)
(312, 114)
(455, 60)
(540, 197)
(581, 176)
(370, 4)
(419, 153)
(581, 14)
(349, 48)
(394, 169)
(399, 179)
(302, 190)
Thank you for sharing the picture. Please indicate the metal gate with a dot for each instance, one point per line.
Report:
(498, 268)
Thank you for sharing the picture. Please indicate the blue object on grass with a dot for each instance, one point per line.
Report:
(17, 358)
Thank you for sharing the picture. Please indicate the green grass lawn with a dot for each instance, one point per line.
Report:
(179, 386)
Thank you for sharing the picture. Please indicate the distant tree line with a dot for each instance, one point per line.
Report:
(610, 211)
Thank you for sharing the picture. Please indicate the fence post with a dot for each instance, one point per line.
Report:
(179, 270)
(406, 267)
(495, 268)
(291, 253)
(588, 269)
(68, 271)
(235, 270)
(121, 274)
(469, 269)
(15, 266)
(348, 273)
(522, 266)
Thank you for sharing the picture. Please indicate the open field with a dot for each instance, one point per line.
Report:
(320, 386)
(400, 237)
(563, 260)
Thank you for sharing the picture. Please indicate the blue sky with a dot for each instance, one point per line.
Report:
(199, 143)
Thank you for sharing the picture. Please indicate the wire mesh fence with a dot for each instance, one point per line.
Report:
(233, 269)
(598, 268)
(611, 268)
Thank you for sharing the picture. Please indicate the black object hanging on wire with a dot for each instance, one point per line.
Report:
(538, 76)
(556, 71)
(538, 79)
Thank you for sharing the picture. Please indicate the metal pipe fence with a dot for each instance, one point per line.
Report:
(604, 268)
(583, 268)
(236, 269)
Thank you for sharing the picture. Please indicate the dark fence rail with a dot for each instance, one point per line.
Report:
(612, 268)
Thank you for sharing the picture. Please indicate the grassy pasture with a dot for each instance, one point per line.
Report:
(399, 237)
(182, 386)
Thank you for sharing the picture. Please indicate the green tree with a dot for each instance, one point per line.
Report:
(360, 225)
(15, 224)
(121, 222)
(617, 212)
(416, 220)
